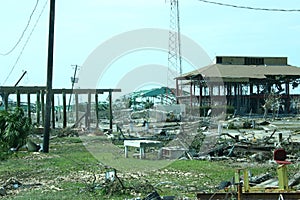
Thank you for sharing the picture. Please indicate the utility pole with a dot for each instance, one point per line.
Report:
(73, 82)
(49, 78)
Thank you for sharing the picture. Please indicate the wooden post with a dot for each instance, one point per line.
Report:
(251, 88)
(43, 107)
(191, 97)
(64, 110)
(142, 152)
(18, 98)
(110, 111)
(287, 88)
(6, 101)
(280, 137)
(53, 111)
(230, 93)
(126, 151)
(28, 107)
(86, 116)
(229, 89)
(200, 94)
(238, 97)
(38, 107)
(257, 97)
(96, 110)
(76, 107)
(251, 99)
(89, 111)
(210, 90)
(177, 91)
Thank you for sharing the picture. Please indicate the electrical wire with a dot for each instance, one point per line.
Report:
(22, 35)
(251, 8)
(26, 42)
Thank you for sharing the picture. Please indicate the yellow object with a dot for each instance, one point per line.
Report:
(246, 181)
(282, 177)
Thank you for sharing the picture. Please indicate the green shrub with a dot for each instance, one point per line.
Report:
(14, 129)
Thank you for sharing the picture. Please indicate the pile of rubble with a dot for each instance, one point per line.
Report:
(248, 140)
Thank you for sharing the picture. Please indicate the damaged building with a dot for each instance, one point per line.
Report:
(245, 84)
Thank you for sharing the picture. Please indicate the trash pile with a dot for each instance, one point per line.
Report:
(245, 140)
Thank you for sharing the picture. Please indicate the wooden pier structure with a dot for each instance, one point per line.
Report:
(40, 92)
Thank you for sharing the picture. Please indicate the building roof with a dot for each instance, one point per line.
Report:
(158, 91)
(241, 72)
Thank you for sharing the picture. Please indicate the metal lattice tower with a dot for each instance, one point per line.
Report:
(174, 54)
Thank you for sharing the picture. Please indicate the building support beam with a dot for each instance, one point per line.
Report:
(53, 111)
(65, 110)
(96, 110)
(76, 107)
(110, 111)
(38, 107)
(288, 100)
(28, 107)
(191, 96)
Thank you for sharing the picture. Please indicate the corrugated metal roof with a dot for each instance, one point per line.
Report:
(242, 71)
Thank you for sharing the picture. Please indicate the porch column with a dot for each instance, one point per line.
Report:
(288, 102)
(257, 96)
(235, 91)
(251, 88)
(200, 93)
(191, 96)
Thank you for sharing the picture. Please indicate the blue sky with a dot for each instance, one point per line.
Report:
(82, 25)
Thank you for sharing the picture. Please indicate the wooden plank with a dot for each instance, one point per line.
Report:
(84, 91)
(21, 89)
(35, 89)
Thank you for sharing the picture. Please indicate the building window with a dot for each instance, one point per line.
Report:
(254, 61)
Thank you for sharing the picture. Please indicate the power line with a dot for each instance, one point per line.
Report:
(22, 35)
(251, 8)
(26, 42)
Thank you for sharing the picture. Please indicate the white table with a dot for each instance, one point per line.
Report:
(142, 144)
